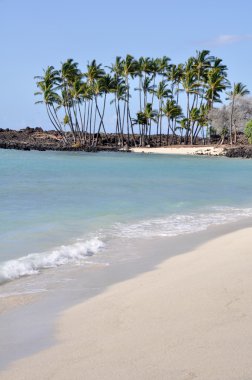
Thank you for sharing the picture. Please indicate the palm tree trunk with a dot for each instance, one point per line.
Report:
(88, 115)
(161, 117)
(154, 84)
(101, 119)
(140, 92)
(50, 115)
(90, 123)
(188, 114)
(94, 125)
(231, 120)
(168, 131)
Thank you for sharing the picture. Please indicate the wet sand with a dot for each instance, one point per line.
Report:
(188, 317)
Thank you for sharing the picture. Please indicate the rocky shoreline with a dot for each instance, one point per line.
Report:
(38, 139)
(239, 152)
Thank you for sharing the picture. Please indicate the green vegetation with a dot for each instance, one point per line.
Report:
(77, 101)
(248, 131)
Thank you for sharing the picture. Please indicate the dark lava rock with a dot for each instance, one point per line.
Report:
(240, 151)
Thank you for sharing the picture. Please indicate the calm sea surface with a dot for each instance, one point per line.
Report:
(62, 208)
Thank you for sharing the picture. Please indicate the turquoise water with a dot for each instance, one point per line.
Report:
(59, 206)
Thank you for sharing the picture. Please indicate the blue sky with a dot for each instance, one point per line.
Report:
(35, 34)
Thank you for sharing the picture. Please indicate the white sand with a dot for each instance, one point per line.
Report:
(190, 318)
(193, 150)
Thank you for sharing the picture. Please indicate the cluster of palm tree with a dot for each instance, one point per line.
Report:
(76, 101)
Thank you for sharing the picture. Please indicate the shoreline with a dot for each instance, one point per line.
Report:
(196, 150)
(37, 139)
(190, 243)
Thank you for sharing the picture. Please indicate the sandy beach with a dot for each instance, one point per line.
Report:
(186, 150)
(189, 318)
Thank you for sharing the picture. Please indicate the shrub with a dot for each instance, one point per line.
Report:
(248, 131)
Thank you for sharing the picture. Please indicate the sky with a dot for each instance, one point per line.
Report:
(36, 34)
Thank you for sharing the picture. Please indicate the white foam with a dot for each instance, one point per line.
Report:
(173, 225)
(176, 224)
(35, 262)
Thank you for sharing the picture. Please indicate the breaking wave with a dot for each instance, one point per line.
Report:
(33, 263)
(172, 225)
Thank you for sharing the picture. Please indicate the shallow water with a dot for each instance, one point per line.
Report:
(63, 208)
(72, 224)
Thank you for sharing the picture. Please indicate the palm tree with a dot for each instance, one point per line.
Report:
(48, 85)
(155, 70)
(172, 111)
(239, 89)
(120, 92)
(184, 126)
(93, 74)
(69, 73)
(171, 76)
(106, 85)
(163, 65)
(76, 94)
(199, 119)
(118, 88)
(179, 74)
(191, 87)
(217, 64)
(194, 119)
(147, 87)
(174, 76)
(144, 68)
(128, 69)
(143, 120)
(116, 68)
(161, 93)
(215, 85)
(201, 65)
(87, 95)
(151, 115)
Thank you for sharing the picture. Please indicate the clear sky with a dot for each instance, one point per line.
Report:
(35, 34)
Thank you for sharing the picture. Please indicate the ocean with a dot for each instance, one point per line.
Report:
(62, 210)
